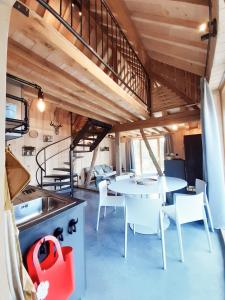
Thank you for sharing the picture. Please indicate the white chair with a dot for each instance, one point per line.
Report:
(187, 208)
(145, 212)
(105, 200)
(122, 177)
(200, 187)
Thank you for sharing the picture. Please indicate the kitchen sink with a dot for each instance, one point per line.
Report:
(39, 208)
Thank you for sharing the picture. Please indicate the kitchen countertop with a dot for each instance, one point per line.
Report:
(33, 192)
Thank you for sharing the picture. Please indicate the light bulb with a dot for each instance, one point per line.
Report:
(41, 105)
(202, 27)
(80, 13)
(174, 127)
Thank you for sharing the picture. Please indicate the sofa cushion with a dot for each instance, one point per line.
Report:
(107, 169)
(99, 170)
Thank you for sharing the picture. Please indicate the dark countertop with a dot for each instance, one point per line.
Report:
(33, 192)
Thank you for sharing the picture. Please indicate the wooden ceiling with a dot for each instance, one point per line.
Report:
(169, 31)
(41, 51)
(164, 34)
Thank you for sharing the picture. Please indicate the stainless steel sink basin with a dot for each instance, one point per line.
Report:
(38, 208)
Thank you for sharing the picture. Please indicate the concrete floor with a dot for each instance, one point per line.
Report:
(140, 276)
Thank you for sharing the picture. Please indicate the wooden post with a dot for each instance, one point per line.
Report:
(151, 154)
(5, 11)
(94, 157)
(117, 150)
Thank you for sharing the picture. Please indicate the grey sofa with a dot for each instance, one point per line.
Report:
(100, 172)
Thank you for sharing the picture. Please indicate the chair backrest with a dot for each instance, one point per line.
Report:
(189, 208)
(143, 211)
(200, 186)
(122, 177)
(102, 191)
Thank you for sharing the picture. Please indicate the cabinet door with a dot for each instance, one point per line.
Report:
(193, 158)
(76, 240)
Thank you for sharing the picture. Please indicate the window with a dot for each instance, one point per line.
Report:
(143, 163)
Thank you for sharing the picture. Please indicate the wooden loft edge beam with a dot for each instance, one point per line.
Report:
(197, 2)
(177, 118)
(170, 86)
(37, 28)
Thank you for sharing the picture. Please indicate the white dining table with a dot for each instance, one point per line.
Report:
(160, 185)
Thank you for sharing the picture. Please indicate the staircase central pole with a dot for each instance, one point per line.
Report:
(94, 157)
(71, 173)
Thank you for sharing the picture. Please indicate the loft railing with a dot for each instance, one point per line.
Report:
(95, 28)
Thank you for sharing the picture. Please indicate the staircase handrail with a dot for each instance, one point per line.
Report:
(40, 164)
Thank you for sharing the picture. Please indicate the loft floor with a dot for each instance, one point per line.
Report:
(140, 276)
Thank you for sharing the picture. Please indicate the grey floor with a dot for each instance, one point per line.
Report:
(140, 276)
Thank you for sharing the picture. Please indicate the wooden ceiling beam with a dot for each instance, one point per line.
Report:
(197, 2)
(58, 92)
(52, 87)
(175, 40)
(44, 67)
(164, 20)
(170, 49)
(29, 93)
(177, 118)
(183, 64)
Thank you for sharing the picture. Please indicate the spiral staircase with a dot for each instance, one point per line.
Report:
(64, 178)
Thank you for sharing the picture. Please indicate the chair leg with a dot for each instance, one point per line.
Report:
(125, 240)
(98, 216)
(163, 198)
(114, 208)
(163, 241)
(134, 229)
(105, 212)
(180, 241)
(207, 231)
(209, 215)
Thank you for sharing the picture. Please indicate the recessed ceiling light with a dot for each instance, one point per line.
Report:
(202, 27)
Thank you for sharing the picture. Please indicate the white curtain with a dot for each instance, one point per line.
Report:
(130, 162)
(168, 145)
(213, 153)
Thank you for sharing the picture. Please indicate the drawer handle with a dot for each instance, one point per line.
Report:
(72, 226)
(58, 233)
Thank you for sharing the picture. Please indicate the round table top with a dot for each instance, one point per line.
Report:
(162, 185)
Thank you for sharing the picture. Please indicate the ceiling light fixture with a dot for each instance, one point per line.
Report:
(202, 27)
(212, 27)
(23, 82)
(41, 104)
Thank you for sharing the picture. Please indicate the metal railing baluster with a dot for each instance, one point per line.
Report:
(123, 63)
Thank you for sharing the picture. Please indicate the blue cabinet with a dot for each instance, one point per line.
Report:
(76, 240)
